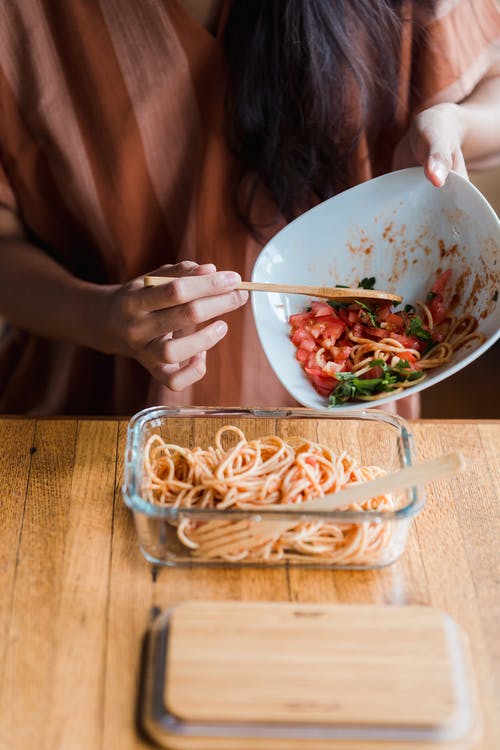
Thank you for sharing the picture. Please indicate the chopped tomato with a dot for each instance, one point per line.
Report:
(441, 282)
(323, 334)
(378, 333)
(395, 321)
(323, 383)
(341, 354)
(383, 311)
(320, 309)
(407, 356)
(302, 355)
(333, 330)
(350, 317)
(359, 330)
(438, 311)
(373, 372)
(299, 319)
(410, 342)
(303, 338)
(348, 366)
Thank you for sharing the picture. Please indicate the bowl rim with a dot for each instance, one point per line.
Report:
(416, 496)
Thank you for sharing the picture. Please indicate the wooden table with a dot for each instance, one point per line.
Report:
(76, 596)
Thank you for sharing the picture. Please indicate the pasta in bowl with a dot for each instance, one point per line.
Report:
(202, 483)
(403, 235)
(365, 351)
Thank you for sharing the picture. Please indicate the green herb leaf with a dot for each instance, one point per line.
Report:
(337, 304)
(344, 375)
(431, 296)
(415, 328)
(351, 386)
(367, 283)
(369, 312)
(403, 364)
(342, 393)
(341, 286)
(367, 384)
(495, 296)
(415, 375)
(409, 309)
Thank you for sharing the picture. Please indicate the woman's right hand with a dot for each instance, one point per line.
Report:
(155, 325)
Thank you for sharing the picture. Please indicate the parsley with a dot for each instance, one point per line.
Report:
(367, 283)
(403, 364)
(409, 309)
(415, 328)
(431, 296)
(351, 386)
(367, 310)
(337, 304)
(495, 296)
(414, 375)
(342, 393)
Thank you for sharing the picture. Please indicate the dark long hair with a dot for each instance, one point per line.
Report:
(304, 77)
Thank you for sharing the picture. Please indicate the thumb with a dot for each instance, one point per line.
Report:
(437, 168)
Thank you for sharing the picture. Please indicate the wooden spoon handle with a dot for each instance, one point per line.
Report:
(411, 476)
(341, 293)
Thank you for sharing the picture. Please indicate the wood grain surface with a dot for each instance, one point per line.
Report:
(77, 596)
(361, 665)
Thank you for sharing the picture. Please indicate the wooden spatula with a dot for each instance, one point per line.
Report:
(338, 293)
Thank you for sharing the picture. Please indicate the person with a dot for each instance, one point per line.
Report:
(176, 137)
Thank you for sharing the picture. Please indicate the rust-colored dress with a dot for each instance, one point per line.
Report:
(112, 151)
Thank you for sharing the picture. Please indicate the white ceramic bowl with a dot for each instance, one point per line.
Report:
(401, 230)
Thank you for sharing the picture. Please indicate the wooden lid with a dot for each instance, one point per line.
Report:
(395, 670)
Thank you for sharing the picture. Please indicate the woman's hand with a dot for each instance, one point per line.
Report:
(434, 140)
(156, 325)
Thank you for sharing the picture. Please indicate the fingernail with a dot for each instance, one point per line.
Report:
(206, 268)
(188, 265)
(439, 170)
(221, 328)
(231, 278)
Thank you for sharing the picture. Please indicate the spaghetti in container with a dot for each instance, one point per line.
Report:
(203, 485)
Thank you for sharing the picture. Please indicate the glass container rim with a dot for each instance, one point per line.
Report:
(133, 499)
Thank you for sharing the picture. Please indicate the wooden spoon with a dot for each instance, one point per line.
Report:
(441, 467)
(338, 293)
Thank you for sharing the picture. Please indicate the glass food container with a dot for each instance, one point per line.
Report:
(356, 539)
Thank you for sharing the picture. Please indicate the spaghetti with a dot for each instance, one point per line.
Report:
(358, 352)
(253, 474)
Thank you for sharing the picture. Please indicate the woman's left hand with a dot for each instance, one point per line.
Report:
(434, 141)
